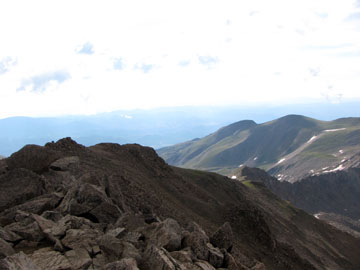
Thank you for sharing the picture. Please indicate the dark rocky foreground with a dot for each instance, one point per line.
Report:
(65, 206)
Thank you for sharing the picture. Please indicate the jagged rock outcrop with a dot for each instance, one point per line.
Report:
(115, 207)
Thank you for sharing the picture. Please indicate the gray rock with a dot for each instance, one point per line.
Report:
(70, 222)
(78, 258)
(9, 236)
(111, 247)
(18, 261)
(203, 265)
(223, 237)
(32, 157)
(216, 258)
(130, 251)
(64, 164)
(197, 240)
(130, 221)
(91, 201)
(18, 186)
(117, 232)
(81, 238)
(123, 264)
(158, 259)
(183, 256)
(231, 263)
(5, 249)
(52, 215)
(36, 206)
(27, 229)
(46, 259)
(166, 234)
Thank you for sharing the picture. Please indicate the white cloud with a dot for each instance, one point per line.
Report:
(167, 53)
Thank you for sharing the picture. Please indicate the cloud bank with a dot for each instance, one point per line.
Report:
(85, 57)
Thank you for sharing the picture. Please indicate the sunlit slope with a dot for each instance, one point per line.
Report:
(289, 147)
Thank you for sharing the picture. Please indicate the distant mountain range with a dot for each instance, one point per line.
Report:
(290, 147)
(152, 127)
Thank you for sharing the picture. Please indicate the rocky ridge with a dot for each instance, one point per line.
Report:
(65, 206)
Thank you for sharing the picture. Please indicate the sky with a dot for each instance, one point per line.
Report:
(86, 57)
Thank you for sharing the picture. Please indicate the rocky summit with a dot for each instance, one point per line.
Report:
(64, 206)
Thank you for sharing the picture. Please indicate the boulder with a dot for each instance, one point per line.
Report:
(115, 249)
(158, 259)
(130, 221)
(64, 164)
(216, 258)
(223, 237)
(27, 229)
(130, 251)
(123, 264)
(52, 215)
(18, 186)
(231, 263)
(183, 256)
(166, 234)
(117, 232)
(203, 265)
(81, 238)
(197, 240)
(90, 201)
(8, 235)
(18, 261)
(5, 249)
(70, 222)
(46, 259)
(32, 157)
(78, 258)
(36, 206)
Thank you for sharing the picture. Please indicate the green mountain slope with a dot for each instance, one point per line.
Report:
(290, 147)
